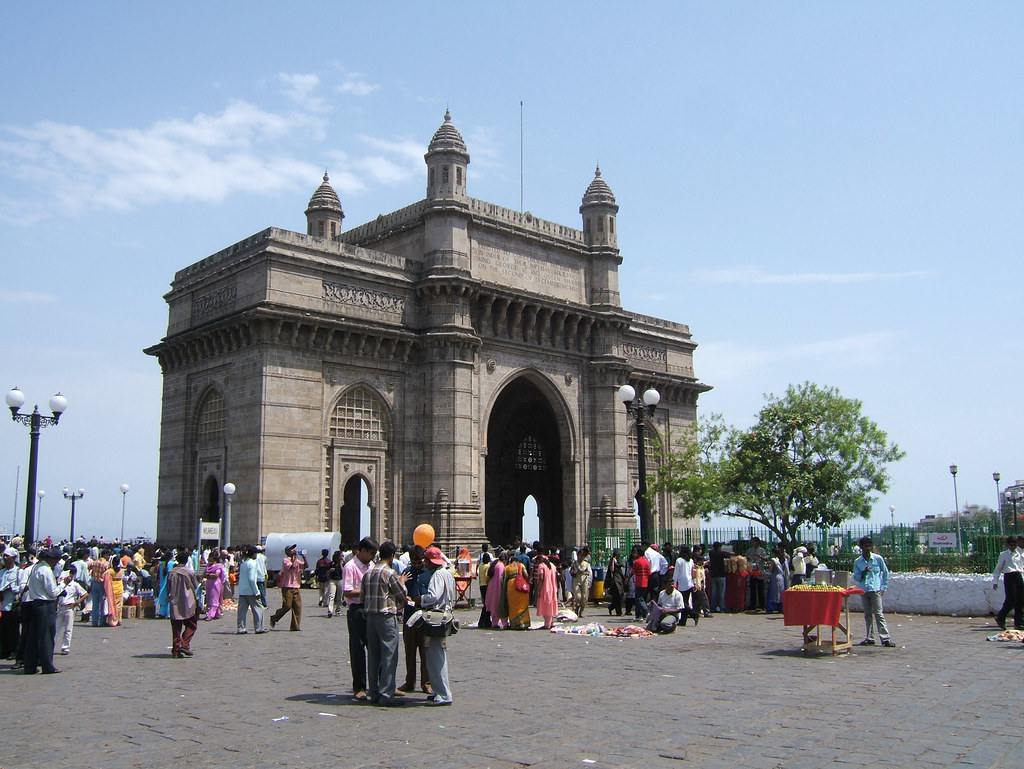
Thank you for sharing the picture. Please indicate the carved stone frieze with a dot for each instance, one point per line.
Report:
(213, 302)
(640, 352)
(363, 297)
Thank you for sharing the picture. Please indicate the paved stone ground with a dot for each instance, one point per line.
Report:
(734, 693)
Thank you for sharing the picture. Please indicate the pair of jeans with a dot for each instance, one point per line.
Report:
(872, 605)
(96, 595)
(718, 593)
(247, 603)
(641, 604)
(357, 646)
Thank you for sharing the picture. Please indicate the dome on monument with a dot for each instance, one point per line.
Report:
(447, 137)
(598, 191)
(325, 198)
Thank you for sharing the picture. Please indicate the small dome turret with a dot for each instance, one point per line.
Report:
(599, 210)
(324, 214)
(446, 161)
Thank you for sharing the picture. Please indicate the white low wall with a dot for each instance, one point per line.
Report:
(951, 595)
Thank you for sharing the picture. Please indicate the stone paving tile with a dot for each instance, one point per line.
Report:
(720, 695)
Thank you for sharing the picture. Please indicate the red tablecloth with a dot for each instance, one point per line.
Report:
(814, 607)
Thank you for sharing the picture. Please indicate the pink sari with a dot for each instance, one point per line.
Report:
(494, 594)
(547, 593)
(216, 576)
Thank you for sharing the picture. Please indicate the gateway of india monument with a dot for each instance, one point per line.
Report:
(439, 364)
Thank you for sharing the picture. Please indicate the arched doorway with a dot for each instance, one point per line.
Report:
(524, 458)
(210, 508)
(355, 510)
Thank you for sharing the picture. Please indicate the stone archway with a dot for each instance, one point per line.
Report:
(350, 519)
(524, 458)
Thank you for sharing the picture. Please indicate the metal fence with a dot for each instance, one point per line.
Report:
(904, 547)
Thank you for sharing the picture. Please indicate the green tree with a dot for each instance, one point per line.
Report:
(812, 458)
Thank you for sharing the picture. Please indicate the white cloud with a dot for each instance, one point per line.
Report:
(728, 361)
(24, 297)
(74, 169)
(356, 84)
(299, 89)
(757, 276)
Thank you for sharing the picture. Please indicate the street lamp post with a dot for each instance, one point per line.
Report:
(124, 496)
(35, 422)
(892, 525)
(229, 489)
(641, 409)
(1013, 496)
(956, 501)
(999, 502)
(39, 518)
(74, 496)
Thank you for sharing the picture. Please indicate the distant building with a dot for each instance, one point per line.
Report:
(440, 364)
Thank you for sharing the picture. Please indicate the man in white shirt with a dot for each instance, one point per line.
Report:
(40, 603)
(10, 605)
(666, 612)
(73, 596)
(659, 570)
(1011, 567)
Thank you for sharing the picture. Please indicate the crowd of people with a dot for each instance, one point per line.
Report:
(389, 593)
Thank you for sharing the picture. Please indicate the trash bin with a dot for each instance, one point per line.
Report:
(597, 588)
(736, 591)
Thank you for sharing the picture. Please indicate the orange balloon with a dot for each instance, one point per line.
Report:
(423, 535)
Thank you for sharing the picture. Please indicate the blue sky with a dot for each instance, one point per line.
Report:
(822, 191)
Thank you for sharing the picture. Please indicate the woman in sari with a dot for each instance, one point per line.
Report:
(547, 591)
(615, 584)
(492, 600)
(163, 604)
(216, 576)
(113, 586)
(515, 603)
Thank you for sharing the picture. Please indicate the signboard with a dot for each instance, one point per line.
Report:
(209, 530)
(941, 540)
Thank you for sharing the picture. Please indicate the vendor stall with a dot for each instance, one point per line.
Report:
(814, 607)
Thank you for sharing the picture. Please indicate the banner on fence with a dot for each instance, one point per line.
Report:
(941, 540)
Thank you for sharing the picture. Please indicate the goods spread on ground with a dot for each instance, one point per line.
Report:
(1008, 635)
(820, 588)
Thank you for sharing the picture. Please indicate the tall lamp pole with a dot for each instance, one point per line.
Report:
(39, 518)
(956, 501)
(74, 496)
(124, 497)
(35, 422)
(999, 502)
(641, 409)
(225, 536)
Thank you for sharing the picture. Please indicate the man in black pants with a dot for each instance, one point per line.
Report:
(41, 605)
(351, 585)
(1011, 566)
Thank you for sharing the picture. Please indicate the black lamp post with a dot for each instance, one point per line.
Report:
(999, 502)
(35, 422)
(1013, 495)
(74, 496)
(956, 501)
(640, 409)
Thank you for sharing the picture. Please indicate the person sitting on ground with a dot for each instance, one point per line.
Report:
(668, 611)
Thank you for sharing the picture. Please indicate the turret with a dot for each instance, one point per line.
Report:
(446, 160)
(599, 210)
(324, 214)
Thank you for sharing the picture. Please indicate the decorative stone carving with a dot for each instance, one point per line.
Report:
(362, 297)
(207, 304)
(639, 352)
(491, 365)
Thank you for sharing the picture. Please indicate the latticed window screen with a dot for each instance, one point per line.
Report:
(212, 419)
(359, 416)
(530, 455)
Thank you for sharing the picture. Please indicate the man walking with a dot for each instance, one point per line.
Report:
(383, 595)
(184, 606)
(1011, 566)
(322, 570)
(290, 580)
(249, 593)
(872, 576)
(352, 587)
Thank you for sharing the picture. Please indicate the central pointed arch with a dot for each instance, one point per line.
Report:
(529, 453)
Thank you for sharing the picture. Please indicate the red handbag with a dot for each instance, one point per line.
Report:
(522, 584)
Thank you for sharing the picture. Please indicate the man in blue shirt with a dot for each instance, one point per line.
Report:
(872, 576)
